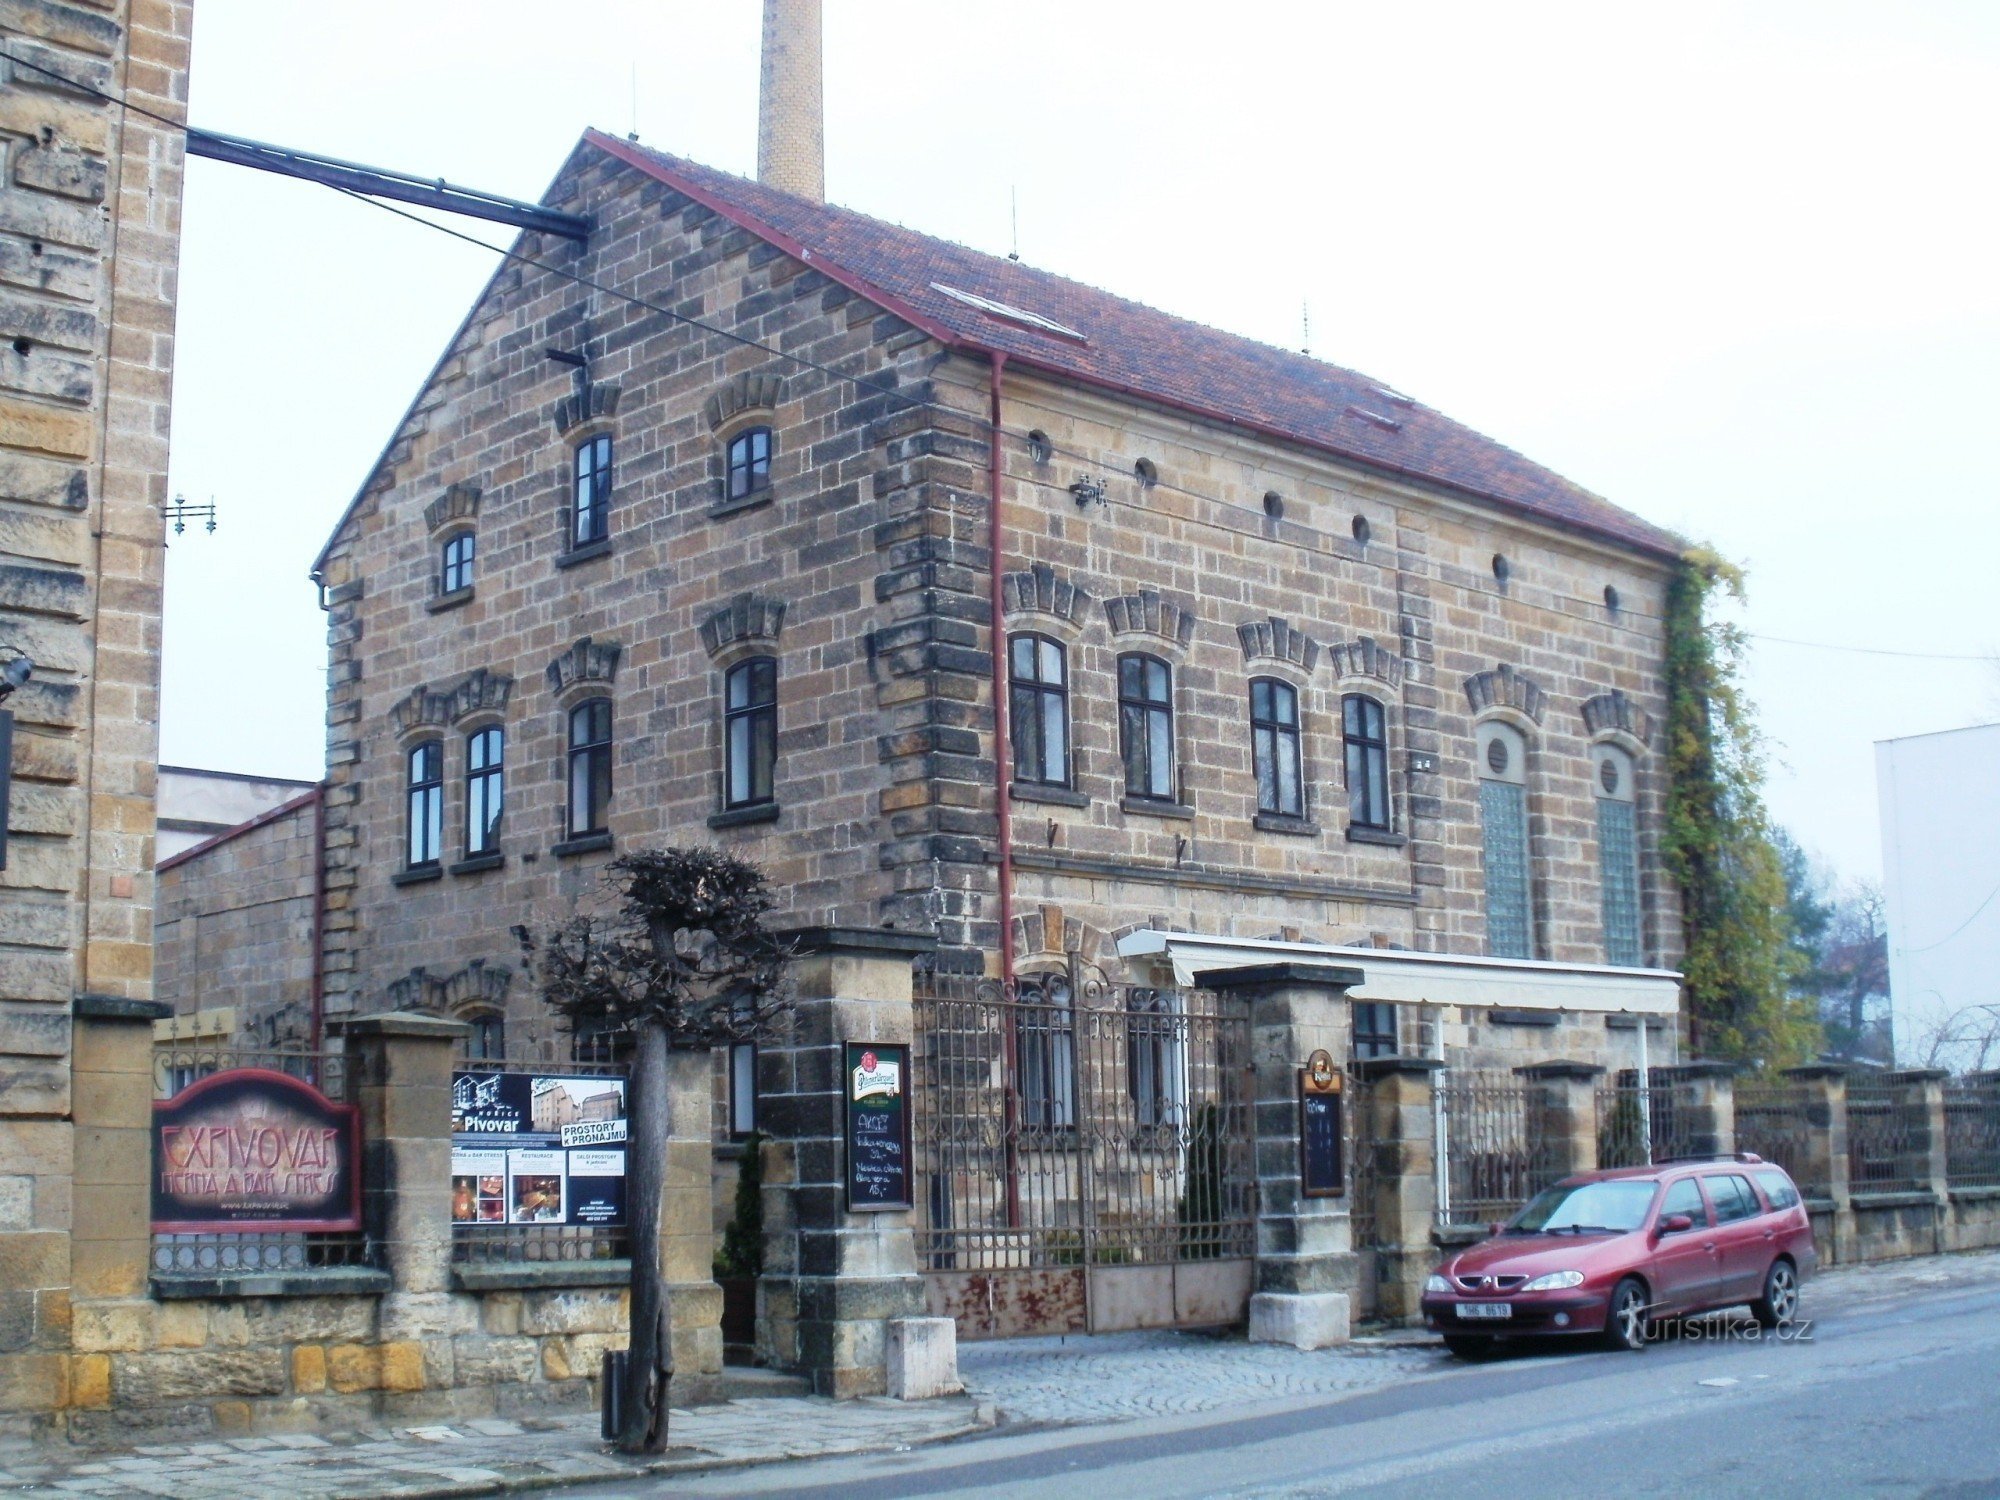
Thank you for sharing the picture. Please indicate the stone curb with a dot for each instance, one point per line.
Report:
(984, 1418)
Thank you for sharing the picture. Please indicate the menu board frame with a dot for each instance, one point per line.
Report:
(1322, 1127)
(868, 1101)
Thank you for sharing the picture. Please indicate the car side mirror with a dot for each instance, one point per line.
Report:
(1493, 1229)
(1676, 1224)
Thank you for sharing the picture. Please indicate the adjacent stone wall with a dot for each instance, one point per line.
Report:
(233, 925)
(89, 231)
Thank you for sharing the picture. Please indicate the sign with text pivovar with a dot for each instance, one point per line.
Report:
(878, 1126)
(532, 1148)
(252, 1150)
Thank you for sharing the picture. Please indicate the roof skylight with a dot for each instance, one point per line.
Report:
(1006, 312)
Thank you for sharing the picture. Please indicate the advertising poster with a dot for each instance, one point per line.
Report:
(878, 1127)
(255, 1150)
(537, 1149)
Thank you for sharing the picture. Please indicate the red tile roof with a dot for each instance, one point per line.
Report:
(1137, 350)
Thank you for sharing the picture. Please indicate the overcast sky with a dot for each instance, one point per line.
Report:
(1732, 266)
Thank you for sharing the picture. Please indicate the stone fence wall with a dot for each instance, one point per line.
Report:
(1891, 1164)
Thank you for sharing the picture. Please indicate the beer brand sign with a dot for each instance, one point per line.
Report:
(255, 1150)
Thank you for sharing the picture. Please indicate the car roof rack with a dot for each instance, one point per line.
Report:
(1747, 1158)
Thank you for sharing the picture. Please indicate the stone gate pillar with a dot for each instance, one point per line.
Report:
(1302, 1294)
(1704, 1097)
(1823, 1163)
(841, 1299)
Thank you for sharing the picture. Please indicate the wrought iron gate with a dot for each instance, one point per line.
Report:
(1086, 1154)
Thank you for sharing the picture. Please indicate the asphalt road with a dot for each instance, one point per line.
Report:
(1896, 1391)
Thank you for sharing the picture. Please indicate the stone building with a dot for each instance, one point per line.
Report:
(89, 236)
(689, 538)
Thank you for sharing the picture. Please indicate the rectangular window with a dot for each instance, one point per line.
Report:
(485, 788)
(749, 463)
(1274, 745)
(742, 1089)
(589, 766)
(591, 499)
(457, 572)
(1374, 1028)
(1366, 743)
(1045, 1056)
(750, 732)
(1146, 726)
(1503, 827)
(1617, 847)
(426, 804)
(1039, 704)
(1156, 1067)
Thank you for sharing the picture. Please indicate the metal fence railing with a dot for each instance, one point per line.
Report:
(1972, 1132)
(1498, 1150)
(1773, 1119)
(224, 1252)
(1888, 1133)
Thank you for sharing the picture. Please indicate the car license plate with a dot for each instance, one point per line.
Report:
(1486, 1309)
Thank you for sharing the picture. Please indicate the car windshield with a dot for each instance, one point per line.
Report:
(1607, 1207)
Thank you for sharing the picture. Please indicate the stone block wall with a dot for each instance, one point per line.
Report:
(89, 228)
(234, 923)
(831, 569)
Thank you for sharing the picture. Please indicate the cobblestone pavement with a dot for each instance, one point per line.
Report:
(481, 1457)
(1110, 1377)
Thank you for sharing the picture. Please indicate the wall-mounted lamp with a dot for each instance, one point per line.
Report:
(1087, 492)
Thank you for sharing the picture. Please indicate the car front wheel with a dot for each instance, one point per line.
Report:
(1625, 1318)
(1780, 1302)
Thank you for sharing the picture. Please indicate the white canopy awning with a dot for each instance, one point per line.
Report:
(1422, 978)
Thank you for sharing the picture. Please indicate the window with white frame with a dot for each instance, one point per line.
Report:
(1618, 854)
(1503, 841)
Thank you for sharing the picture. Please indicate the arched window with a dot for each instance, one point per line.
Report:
(426, 804)
(1146, 726)
(1045, 1053)
(589, 766)
(590, 508)
(1039, 678)
(1503, 835)
(487, 1041)
(749, 463)
(750, 732)
(456, 572)
(1618, 854)
(1274, 747)
(1365, 739)
(485, 788)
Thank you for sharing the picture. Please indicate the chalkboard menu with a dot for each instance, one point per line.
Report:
(878, 1126)
(1322, 1171)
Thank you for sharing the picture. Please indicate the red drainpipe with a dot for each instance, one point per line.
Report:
(319, 924)
(1003, 801)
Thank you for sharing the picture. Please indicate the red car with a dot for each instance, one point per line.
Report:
(1604, 1253)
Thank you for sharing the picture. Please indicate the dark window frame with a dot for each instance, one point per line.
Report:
(746, 469)
(1365, 762)
(1044, 1079)
(423, 828)
(742, 1090)
(485, 787)
(1152, 719)
(455, 562)
(486, 1041)
(589, 755)
(590, 490)
(754, 713)
(1375, 1030)
(1272, 740)
(1030, 700)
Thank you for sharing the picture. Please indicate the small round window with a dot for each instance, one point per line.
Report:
(1361, 530)
(1040, 448)
(1501, 568)
(1607, 774)
(1496, 755)
(1146, 473)
(1274, 504)
(1611, 600)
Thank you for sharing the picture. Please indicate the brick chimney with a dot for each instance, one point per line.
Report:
(791, 141)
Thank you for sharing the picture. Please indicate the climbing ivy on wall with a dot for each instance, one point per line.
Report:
(1739, 961)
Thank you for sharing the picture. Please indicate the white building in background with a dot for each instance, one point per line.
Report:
(196, 805)
(1940, 797)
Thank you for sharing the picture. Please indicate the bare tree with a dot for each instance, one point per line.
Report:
(681, 960)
